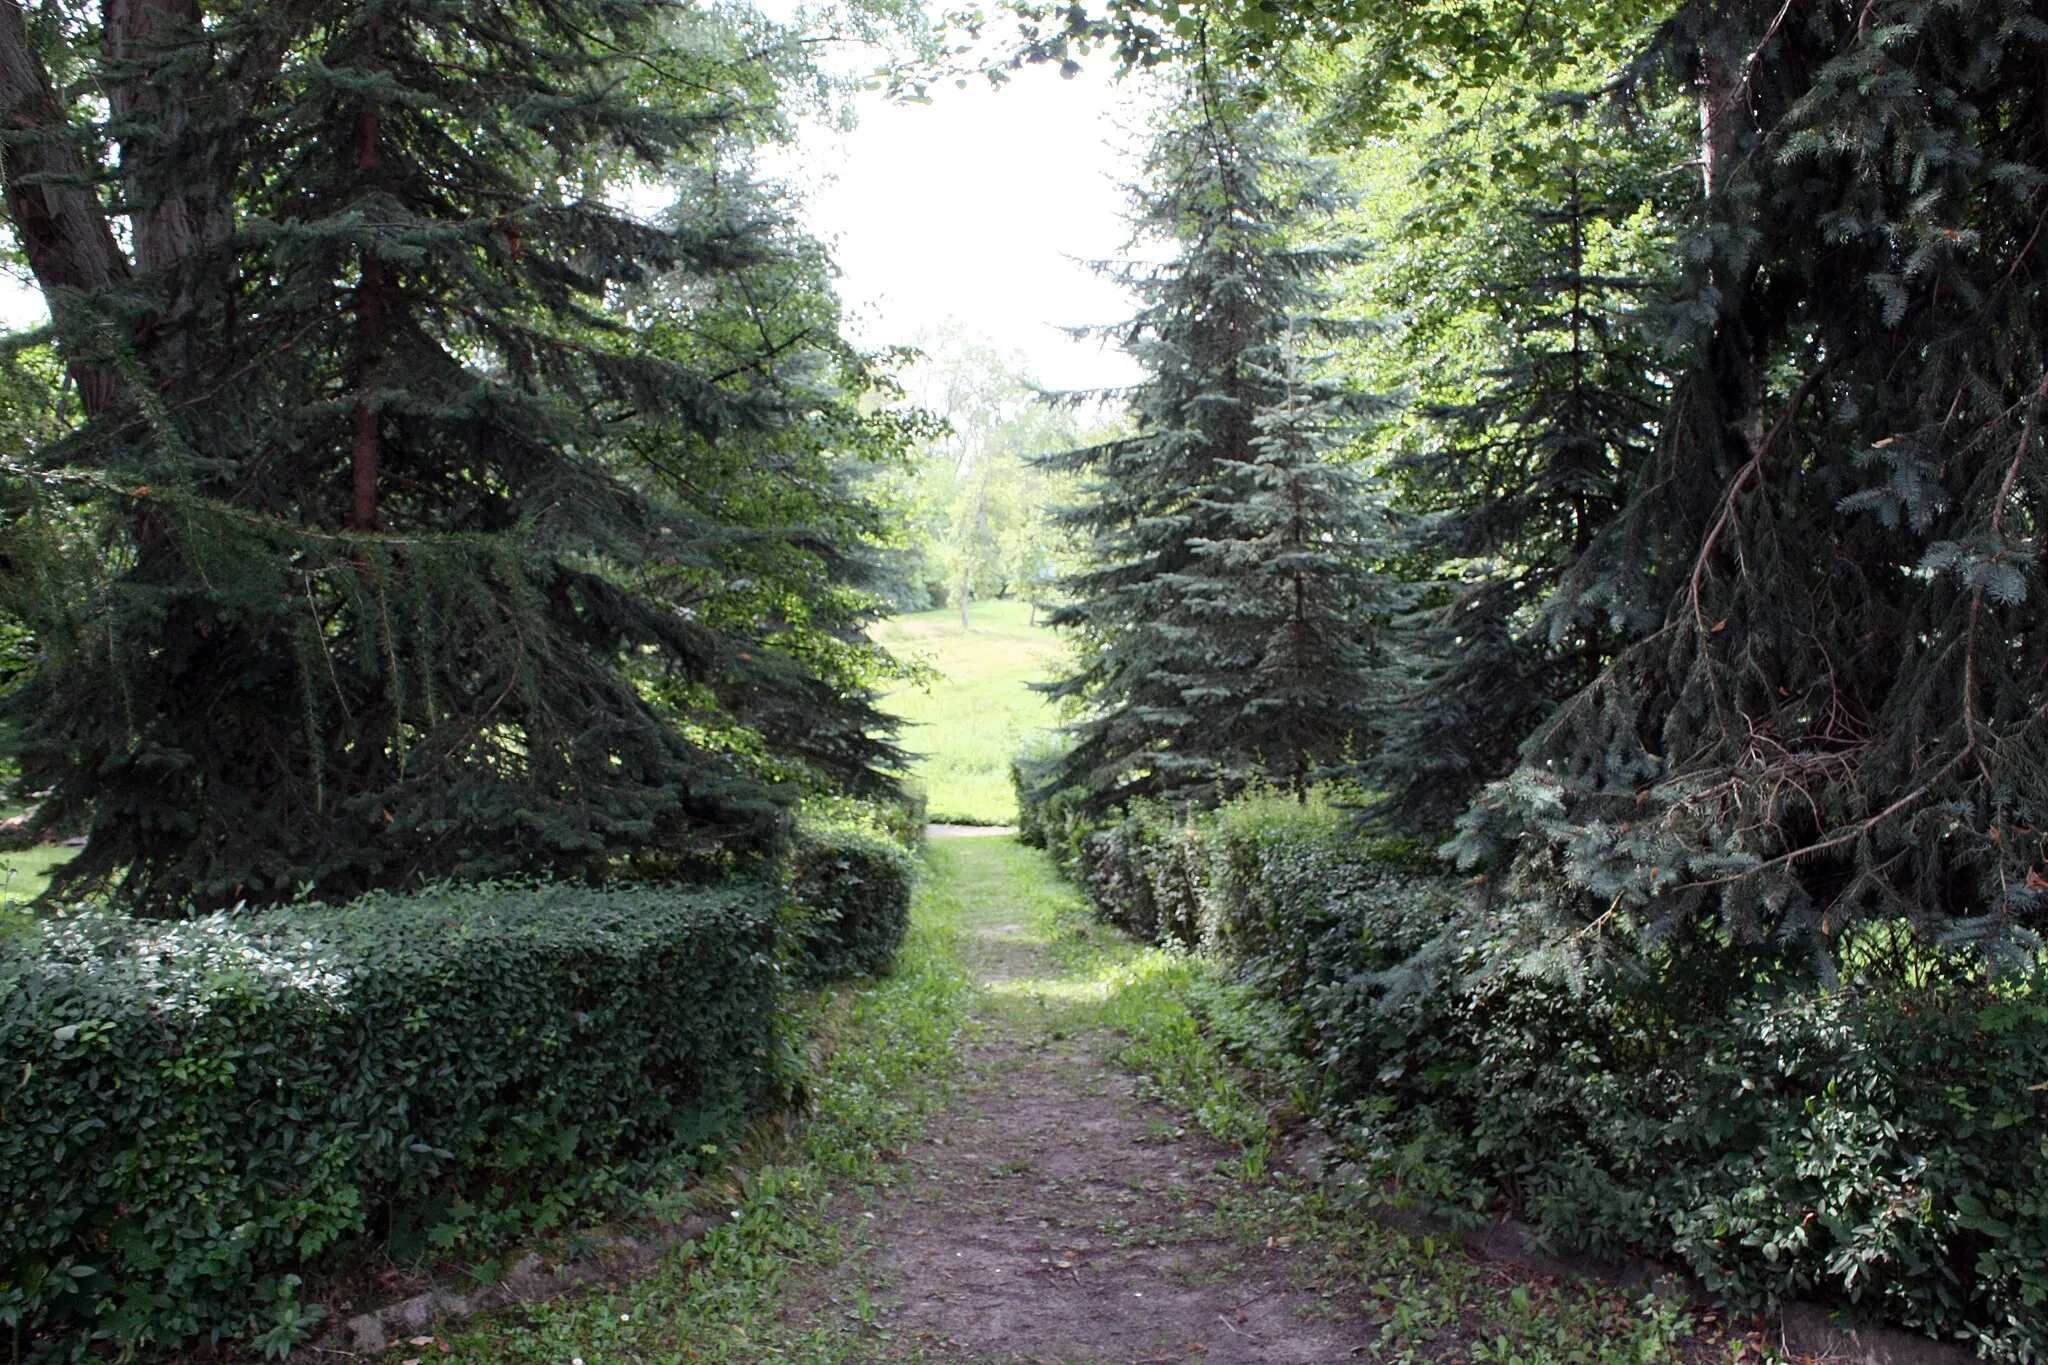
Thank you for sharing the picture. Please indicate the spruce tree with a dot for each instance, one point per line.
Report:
(1216, 619)
(395, 577)
(1537, 244)
(1293, 670)
(1831, 708)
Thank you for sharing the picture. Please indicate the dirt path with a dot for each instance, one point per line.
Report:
(1052, 1216)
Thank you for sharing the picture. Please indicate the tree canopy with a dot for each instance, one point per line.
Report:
(423, 511)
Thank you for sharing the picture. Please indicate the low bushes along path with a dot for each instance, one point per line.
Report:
(1024, 1147)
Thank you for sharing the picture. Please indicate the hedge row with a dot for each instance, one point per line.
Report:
(188, 1112)
(1880, 1146)
(851, 888)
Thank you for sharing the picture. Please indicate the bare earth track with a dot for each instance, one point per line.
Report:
(1054, 1217)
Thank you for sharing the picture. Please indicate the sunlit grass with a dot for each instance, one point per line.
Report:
(24, 875)
(971, 723)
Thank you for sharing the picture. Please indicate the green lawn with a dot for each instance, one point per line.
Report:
(975, 719)
(23, 876)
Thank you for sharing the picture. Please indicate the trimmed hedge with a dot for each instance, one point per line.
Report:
(1880, 1146)
(188, 1112)
(852, 890)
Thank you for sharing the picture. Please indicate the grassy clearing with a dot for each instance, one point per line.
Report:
(972, 723)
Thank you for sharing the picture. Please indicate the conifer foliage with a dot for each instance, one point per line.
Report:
(1229, 612)
(387, 550)
(1547, 245)
(1831, 708)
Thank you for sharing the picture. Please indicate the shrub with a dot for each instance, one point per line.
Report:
(1047, 817)
(191, 1112)
(1878, 1145)
(852, 891)
(899, 819)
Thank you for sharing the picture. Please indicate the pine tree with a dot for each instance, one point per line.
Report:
(1831, 706)
(1213, 613)
(397, 578)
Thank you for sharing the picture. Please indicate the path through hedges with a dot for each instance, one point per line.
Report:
(1013, 1156)
(1053, 1215)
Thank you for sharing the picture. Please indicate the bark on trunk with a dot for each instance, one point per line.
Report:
(369, 338)
(162, 166)
(54, 209)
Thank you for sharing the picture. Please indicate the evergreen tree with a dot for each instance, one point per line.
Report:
(1532, 251)
(1204, 524)
(1292, 671)
(1831, 706)
(396, 573)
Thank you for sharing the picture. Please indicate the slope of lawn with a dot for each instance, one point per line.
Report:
(970, 722)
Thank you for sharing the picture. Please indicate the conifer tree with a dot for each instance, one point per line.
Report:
(396, 575)
(1831, 706)
(1537, 255)
(1292, 671)
(1214, 613)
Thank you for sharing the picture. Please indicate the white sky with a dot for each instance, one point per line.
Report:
(982, 207)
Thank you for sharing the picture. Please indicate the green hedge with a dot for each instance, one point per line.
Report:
(190, 1112)
(851, 889)
(1880, 1145)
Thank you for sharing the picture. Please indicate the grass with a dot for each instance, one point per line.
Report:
(981, 714)
(24, 875)
(746, 1294)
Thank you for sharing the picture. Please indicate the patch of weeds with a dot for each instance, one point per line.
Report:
(893, 1045)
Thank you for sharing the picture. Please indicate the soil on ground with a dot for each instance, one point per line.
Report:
(1052, 1215)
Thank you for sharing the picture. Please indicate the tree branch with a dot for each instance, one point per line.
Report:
(51, 202)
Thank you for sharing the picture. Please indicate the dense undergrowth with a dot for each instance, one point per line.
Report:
(1877, 1145)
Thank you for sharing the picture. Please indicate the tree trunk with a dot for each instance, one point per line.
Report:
(55, 212)
(966, 591)
(369, 324)
(170, 222)
(1726, 113)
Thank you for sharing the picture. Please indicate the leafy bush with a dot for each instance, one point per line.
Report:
(1048, 817)
(899, 819)
(193, 1111)
(1879, 1145)
(851, 889)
